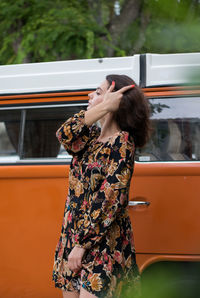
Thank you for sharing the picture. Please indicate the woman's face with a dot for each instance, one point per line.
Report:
(96, 97)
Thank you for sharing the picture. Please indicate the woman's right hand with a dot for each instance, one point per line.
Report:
(75, 258)
(110, 103)
(112, 99)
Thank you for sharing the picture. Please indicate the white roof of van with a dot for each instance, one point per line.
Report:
(172, 69)
(146, 69)
(64, 75)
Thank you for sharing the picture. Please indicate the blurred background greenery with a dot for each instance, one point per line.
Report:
(167, 280)
(51, 30)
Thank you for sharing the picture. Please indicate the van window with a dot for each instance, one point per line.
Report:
(30, 132)
(176, 135)
(9, 135)
(40, 131)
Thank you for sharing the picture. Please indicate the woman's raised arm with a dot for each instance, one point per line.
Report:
(74, 133)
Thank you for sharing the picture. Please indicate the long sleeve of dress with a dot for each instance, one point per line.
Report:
(74, 133)
(109, 200)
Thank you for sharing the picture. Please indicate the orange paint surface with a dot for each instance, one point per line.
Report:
(82, 95)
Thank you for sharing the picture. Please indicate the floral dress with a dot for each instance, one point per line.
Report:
(96, 212)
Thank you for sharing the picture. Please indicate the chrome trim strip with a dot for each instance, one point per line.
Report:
(44, 160)
(136, 203)
(47, 160)
(164, 162)
(21, 133)
(44, 106)
(69, 159)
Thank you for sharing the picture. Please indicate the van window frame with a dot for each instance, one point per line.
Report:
(168, 161)
(67, 160)
(37, 161)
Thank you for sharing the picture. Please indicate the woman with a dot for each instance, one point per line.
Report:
(95, 255)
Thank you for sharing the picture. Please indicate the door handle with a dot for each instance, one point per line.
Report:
(136, 203)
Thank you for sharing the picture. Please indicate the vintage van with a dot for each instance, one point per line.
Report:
(35, 99)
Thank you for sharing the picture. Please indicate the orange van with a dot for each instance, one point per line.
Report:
(35, 99)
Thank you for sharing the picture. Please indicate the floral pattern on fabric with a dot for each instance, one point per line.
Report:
(96, 213)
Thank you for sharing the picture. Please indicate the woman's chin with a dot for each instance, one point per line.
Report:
(88, 108)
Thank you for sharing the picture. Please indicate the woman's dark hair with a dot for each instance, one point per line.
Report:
(133, 114)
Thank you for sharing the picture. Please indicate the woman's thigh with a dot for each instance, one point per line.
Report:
(70, 294)
(86, 294)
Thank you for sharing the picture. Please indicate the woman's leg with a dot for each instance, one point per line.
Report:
(86, 294)
(70, 294)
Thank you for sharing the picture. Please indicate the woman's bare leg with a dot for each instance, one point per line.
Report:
(86, 294)
(70, 294)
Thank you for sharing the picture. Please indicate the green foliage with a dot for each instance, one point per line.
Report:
(172, 37)
(49, 30)
(46, 30)
(168, 280)
(173, 27)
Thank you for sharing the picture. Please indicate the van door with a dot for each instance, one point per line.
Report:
(165, 188)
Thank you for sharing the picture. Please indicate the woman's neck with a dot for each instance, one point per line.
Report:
(108, 127)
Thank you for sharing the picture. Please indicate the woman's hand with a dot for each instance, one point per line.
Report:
(112, 99)
(75, 258)
(110, 103)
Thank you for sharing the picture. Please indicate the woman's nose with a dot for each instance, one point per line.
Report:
(90, 95)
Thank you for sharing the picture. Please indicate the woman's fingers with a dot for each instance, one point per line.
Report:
(75, 258)
(74, 265)
(112, 99)
(124, 89)
(78, 263)
(112, 86)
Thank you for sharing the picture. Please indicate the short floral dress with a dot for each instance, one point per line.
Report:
(96, 213)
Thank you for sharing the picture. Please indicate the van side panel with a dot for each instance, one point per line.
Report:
(170, 224)
(32, 204)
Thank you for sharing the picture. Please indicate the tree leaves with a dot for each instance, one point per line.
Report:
(49, 30)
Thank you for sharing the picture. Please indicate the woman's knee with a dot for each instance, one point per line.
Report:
(70, 294)
(86, 294)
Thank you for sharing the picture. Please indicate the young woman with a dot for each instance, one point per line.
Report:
(95, 255)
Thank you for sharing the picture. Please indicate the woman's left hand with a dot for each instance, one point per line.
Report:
(111, 100)
(75, 258)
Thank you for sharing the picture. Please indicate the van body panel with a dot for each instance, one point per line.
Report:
(170, 224)
(34, 198)
(32, 205)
